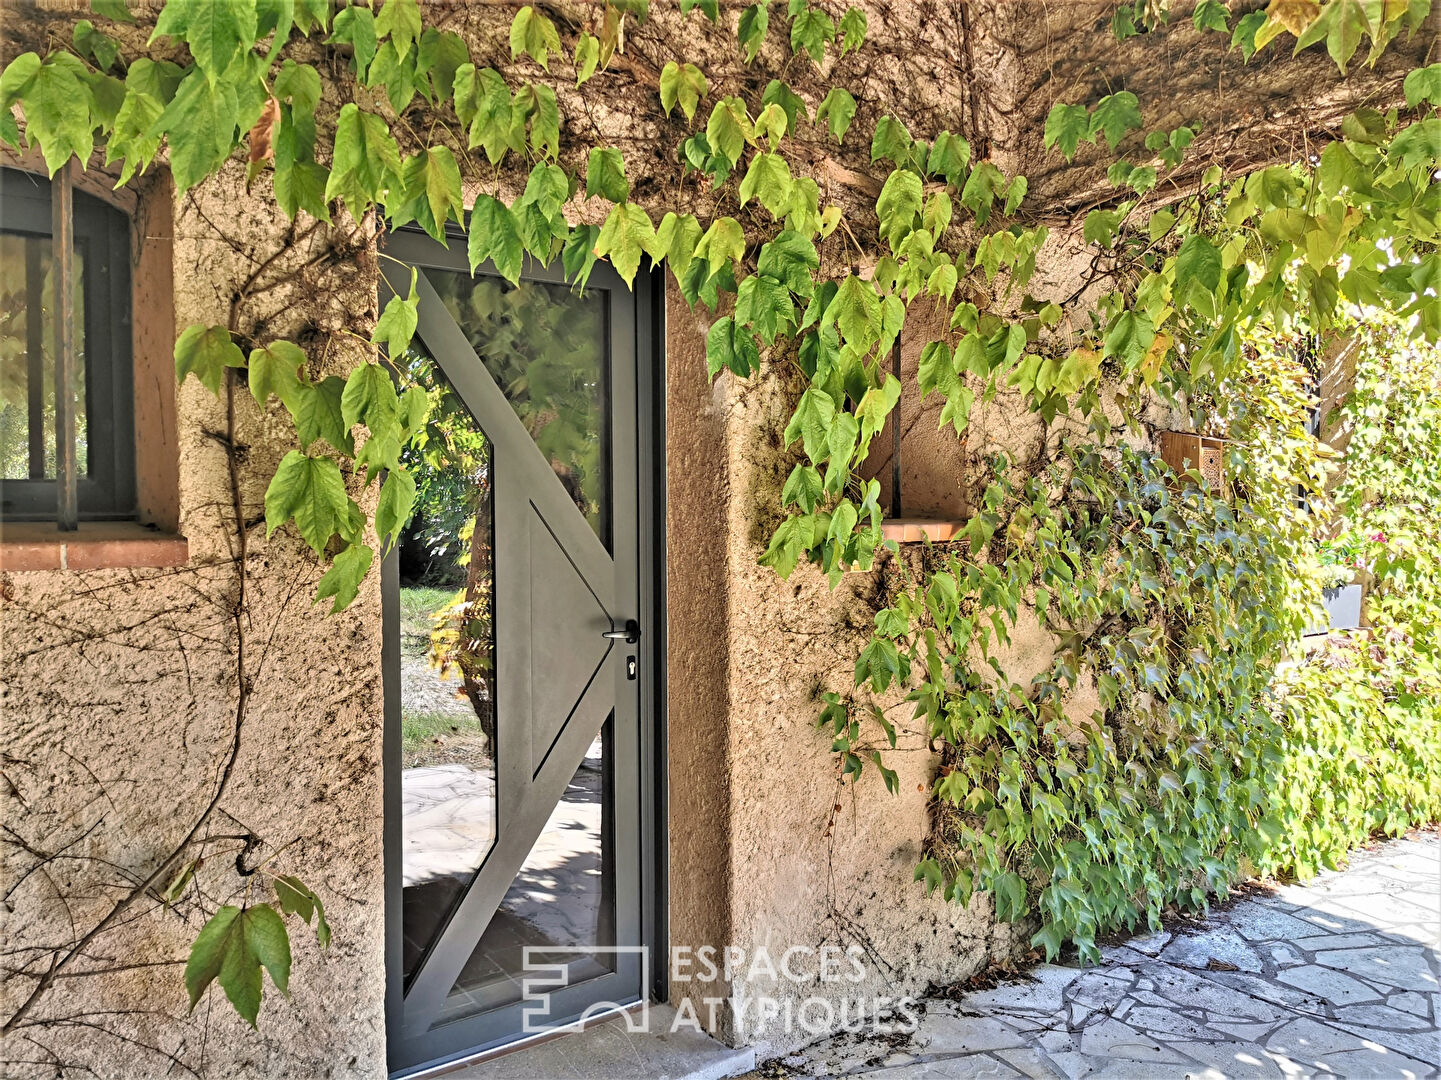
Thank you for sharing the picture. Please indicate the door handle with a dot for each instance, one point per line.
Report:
(630, 635)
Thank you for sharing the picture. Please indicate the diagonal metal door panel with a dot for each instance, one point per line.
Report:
(556, 676)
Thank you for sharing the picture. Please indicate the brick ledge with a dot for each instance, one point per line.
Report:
(915, 530)
(96, 545)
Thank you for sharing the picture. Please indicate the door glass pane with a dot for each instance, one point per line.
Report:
(27, 359)
(447, 709)
(561, 904)
(546, 348)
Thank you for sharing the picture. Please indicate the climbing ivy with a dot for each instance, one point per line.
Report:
(1136, 576)
(1361, 719)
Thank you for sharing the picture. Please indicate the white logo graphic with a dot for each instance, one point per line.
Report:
(551, 968)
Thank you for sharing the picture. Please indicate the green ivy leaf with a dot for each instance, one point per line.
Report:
(682, 84)
(729, 129)
(768, 179)
(605, 175)
(728, 347)
(587, 57)
(266, 936)
(856, 312)
(206, 351)
(399, 20)
(366, 160)
(430, 191)
(1419, 144)
(1211, 15)
(982, 186)
(1243, 37)
(397, 323)
(1115, 115)
(803, 488)
(626, 235)
(355, 26)
(16, 77)
(675, 241)
(495, 236)
(778, 93)
(537, 106)
(751, 31)
(275, 369)
(1423, 85)
(232, 947)
(853, 29)
(891, 142)
(295, 897)
(578, 256)
(96, 44)
(876, 404)
(789, 541)
(57, 111)
(765, 305)
(836, 111)
(1123, 23)
(1128, 337)
(811, 31)
(392, 509)
(1198, 264)
(899, 206)
(112, 9)
(298, 85)
(218, 34)
(318, 415)
(879, 664)
(369, 398)
(1342, 24)
(311, 490)
(208, 951)
(1066, 126)
(1019, 185)
(723, 242)
(791, 259)
(533, 35)
(811, 424)
(949, 158)
(709, 8)
(770, 126)
(483, 104)
(439, 57)
(1100, 226)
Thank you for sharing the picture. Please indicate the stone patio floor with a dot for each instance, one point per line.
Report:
(1336, 977)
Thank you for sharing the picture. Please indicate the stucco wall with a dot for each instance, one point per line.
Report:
(118, 702)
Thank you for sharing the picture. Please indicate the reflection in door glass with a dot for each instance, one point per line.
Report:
(561, 904)
(448, 797)
(546, 348)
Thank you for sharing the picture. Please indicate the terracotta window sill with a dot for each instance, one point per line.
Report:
(96, 545)
(915, 530)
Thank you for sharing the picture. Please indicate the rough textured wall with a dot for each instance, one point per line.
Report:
(118, 698)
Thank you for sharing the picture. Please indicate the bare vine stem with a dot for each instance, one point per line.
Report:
(60, 963)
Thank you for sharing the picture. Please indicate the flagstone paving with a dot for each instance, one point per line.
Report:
(1338, 977)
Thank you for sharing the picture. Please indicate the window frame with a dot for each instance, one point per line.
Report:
(106, 491)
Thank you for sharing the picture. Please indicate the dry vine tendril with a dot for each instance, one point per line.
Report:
(1202, 283)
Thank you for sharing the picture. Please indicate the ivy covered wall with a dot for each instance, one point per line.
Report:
(964, 131)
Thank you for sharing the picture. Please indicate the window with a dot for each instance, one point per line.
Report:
(103, 385)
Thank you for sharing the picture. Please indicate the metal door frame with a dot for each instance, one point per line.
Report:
(413, 1053)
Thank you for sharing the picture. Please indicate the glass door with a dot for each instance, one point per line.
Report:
(513, 609)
